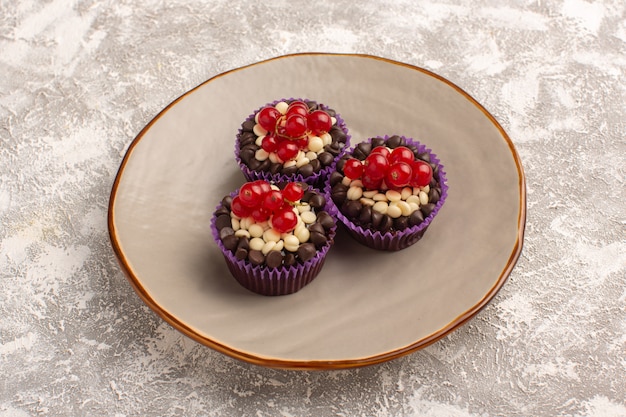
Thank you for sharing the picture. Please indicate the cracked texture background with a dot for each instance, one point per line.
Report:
(80, 79)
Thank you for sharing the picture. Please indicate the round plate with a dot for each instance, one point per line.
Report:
(366, 306)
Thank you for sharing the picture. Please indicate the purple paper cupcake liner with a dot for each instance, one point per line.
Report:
(396, 240)
(317, 179)
(273, 281)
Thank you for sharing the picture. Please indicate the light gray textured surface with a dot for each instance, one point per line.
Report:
(81, 79)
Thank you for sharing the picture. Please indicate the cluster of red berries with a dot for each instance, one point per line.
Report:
(288, 133)
(258, 200)
(398, 168)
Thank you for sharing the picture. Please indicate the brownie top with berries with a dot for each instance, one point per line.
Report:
(274, 226)
(290, 138)
(386, 184)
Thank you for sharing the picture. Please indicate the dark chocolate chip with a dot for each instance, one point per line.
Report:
(365, 148)
(247, 139)
(318, 239)
(254, 164)
(331, 112)
(434, 194)
(241, 253)
(337, 134)
(289, 259)
(275, 168)
(395, 141)
(248, 125)
(401, 223)
(365, 217)
(316, 164)
(427, 209)
(256, 257)
(424, 156)
(230, 242)
(312, 105)
(306, 170)
(351, 208)
(376, 219)
(307, 196)
(339, 193)
(265, 165)
(317, 201)
(222, 210)
(416, 218)
(291, 170)
(244, 243)
(306, 251)
(316, 227)
(222, 221)
(377, 142)
(226, 201)
(325, 219)
(386, 223)
(246, 155)
(340, 164)
(274, 259)
(335, 178)
(226, 231)
(333, 148)
(326, 158)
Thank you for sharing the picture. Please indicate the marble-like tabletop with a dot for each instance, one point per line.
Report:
(81, 78)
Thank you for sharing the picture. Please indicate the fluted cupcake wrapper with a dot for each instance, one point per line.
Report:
(273, 281)
(395, 240)
(316, 179)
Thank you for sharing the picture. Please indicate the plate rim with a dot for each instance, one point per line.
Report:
(318, 364)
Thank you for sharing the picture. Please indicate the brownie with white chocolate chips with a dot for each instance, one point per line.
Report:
(295, 139)
(273, 226)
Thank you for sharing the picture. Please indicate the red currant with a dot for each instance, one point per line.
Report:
(296, 125)
(293, 192)
(398, 175)
(381, 150)
(239, 209)
(251, 194)
(370, 183)
(422, 174)
(269, 143)
(401, 154)
(285, 220)
(267, 118)
(302, 143)
(376, 166)
(264, 185)
(353, 168)
(319, 122)
(287, 150)
(297, 107)
(273, 201)
(260, 214)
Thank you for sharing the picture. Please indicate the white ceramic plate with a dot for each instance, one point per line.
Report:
(365, 307)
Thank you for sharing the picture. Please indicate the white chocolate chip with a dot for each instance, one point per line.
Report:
(393, 195)
(234, 223)
(356, 183)
(274, 187)
(308, 217)
(394, 211)
(289, 163)
(405, 207)
(259, 130)
(333, 120)
(379, 197)
(326, 139)
(302, 161)
(261, 154)
(302, 207)
(268, 247)
(274, 159)
(370, 193)
(302, 234)
(291, 243)
(316, 144)
(271, 235)
(423, 198)
(311, 155)
(281, 107)
(279, 245)
(406, 193)
(259, 140)
(414, 206)
(354, 193)
(256, 243)
(255, 230)
(367, 201)
(242, 233)
(413, 199)
(426, 188)
(381, 207)
(346, 181)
